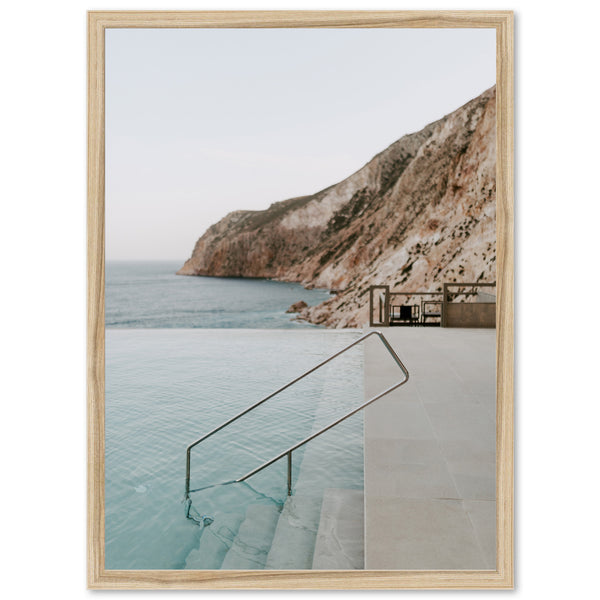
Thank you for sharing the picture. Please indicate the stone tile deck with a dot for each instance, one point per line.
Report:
(430, 451)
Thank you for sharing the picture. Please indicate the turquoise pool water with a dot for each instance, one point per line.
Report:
(167, 387)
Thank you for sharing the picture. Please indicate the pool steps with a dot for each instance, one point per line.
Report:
(294, 539)
(264, 538)
(340, 539)
(253, 541)
(215, 543)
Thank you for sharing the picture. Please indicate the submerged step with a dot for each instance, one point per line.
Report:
(215, 542)
(251, 545)
(340, 539)
(294, 539)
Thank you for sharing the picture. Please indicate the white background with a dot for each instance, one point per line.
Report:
(42, 310)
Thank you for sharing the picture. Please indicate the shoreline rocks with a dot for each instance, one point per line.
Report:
(297, 307)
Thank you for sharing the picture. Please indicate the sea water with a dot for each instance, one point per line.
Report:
(149, 294)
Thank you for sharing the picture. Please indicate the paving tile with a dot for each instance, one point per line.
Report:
(405, 394)
(402, 451)
(398, 420)
(473, 452)
(420, 534)
(480, 449)
(483, 517)
(475, 486)
(433, 389)
(460, 420)
(405, 480)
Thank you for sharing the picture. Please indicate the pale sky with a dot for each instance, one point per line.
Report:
(200, 122)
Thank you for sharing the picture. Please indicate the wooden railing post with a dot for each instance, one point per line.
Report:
(444, 305)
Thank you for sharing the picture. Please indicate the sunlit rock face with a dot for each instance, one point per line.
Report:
(420, 213)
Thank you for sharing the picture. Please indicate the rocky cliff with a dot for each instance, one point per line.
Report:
(420, 213)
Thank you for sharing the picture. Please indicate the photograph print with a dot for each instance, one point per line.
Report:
(300, 299)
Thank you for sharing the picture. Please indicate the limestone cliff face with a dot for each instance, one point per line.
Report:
(420, 213)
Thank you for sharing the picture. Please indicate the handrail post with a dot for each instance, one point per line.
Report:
(444, 306)
(289, 473)
(187, 473)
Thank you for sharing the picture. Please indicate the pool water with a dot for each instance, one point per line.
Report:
(165, 388)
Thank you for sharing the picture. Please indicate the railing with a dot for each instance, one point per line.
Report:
(384, 305)
(289, 451)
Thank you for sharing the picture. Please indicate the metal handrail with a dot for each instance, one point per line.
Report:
(289, 451)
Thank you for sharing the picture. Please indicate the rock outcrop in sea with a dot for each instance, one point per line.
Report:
(420, 213)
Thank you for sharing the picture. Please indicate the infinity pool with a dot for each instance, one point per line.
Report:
(166, 388)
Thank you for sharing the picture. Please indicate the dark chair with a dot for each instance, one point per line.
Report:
(404, 313)
(431, 308)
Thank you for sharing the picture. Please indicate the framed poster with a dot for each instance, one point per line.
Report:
(300, 300)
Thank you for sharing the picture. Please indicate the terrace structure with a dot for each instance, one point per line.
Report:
(458, 305)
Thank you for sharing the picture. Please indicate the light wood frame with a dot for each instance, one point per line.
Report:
(98, 576)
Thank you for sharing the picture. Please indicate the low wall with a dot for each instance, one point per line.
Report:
(469, 314)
